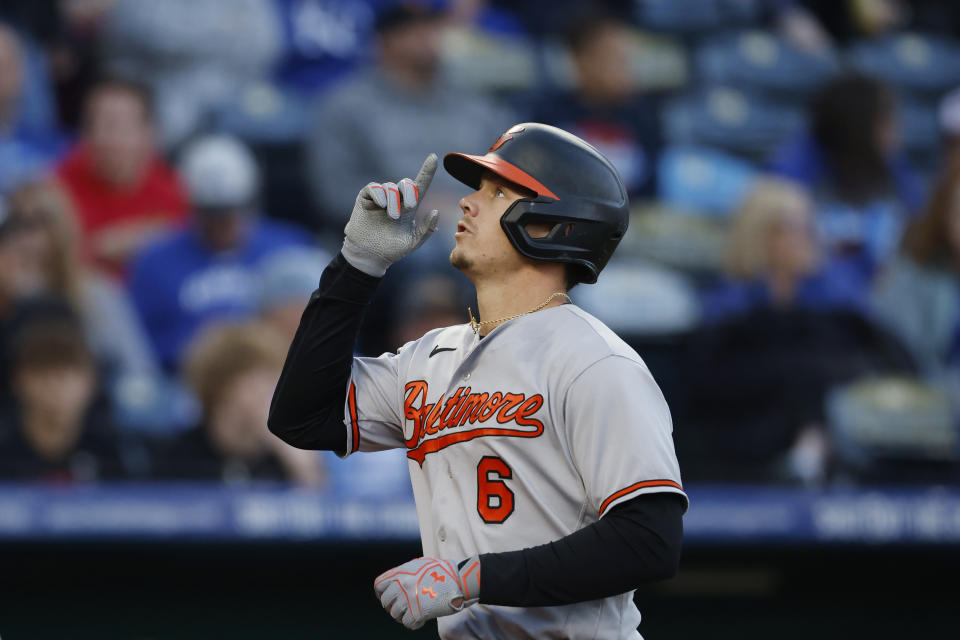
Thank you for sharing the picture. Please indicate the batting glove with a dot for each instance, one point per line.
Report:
(385, 224)
(427, 588)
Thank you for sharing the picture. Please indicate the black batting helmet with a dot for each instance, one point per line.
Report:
(577, 190)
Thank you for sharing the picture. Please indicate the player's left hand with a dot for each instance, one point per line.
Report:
(427, 588)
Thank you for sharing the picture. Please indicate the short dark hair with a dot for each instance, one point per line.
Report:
(121, 84)
(51, 344)
(404, 14)
(844, 117)
(586, 26)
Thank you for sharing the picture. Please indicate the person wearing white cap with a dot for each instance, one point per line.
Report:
(209, 270)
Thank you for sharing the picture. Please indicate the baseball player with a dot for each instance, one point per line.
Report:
(540, 448)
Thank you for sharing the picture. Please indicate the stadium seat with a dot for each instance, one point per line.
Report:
(691, 243)
(704, 180)
(910, 61)
(738, 121)
(894, 428)
(273, 121)
(761, 61)
(489, 62)
(152, 405)
(693, 16)
(919, 128)
(657, 62)
(264, 113)
(637, 297)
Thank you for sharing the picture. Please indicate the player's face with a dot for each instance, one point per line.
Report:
(483, 249)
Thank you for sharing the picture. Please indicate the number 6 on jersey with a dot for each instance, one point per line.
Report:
(494, 497)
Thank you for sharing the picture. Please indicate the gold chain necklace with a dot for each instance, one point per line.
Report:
(476, 324)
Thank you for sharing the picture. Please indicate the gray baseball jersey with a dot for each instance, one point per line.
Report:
(515, 440)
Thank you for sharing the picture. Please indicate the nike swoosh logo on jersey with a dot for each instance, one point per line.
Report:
(437, 349)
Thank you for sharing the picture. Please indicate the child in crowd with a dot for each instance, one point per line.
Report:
(56, 431)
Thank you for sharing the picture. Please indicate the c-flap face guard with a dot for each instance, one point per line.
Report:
(560, 244)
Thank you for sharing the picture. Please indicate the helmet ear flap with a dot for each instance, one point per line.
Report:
(563, 243)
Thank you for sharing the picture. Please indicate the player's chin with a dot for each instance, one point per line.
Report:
(459, 259)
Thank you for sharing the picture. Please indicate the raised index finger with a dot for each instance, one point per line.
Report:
(425, 176)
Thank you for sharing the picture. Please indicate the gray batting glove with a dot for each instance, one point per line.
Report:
(427, 588)
(385, 224)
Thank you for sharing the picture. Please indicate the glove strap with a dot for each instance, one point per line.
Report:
(469, 570)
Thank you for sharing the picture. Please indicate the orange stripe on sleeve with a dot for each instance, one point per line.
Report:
(634, 487)
(354, 423)
(466, 589)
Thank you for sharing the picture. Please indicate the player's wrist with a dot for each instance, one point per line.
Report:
(363, 259)
(469, 571)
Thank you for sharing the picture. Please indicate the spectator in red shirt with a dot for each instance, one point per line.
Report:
(122, 190)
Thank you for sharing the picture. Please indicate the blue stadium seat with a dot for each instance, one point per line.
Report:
(273, 122)
(920, 130)
(910, 61)
(264, 113)
(760, 60)
(703, 180)
(681, 240)
(152, 405)
(728, 118)
(638, 297)
(882, 427)
(691, 16)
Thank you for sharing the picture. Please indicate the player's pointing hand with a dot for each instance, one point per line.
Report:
(427, 588)
(386, 223)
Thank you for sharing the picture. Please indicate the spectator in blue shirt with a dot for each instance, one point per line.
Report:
(774, 262)
(862, 183)
(26, 150)
(209, 270)
(323, 40)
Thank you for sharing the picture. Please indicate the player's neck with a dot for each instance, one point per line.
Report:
(515, 294)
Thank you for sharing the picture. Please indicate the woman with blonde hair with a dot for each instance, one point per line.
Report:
(40, 257)
(773, 260)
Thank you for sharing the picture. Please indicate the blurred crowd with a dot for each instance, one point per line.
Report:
(175, 175)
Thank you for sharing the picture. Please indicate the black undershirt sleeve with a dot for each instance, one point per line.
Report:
(307, 406)
(638, 541)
